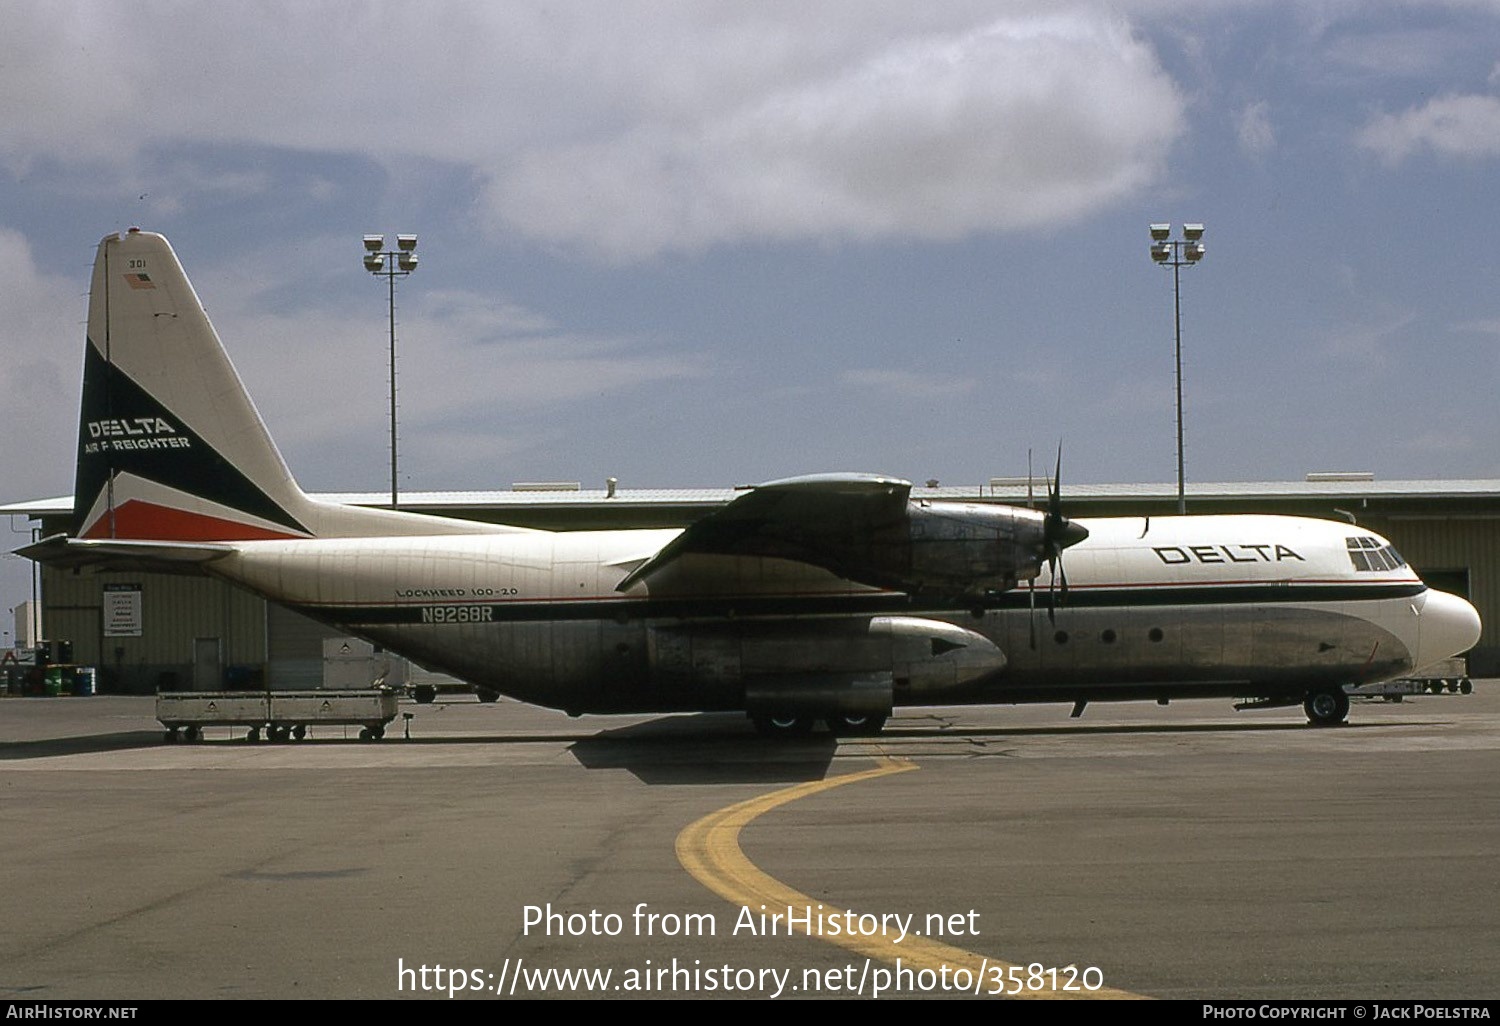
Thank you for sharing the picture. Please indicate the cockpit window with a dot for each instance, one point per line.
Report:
(1368, 553)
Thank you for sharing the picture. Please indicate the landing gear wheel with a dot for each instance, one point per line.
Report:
(1326, 708)
(192, 735)
(299, 731)
(782, 725)
(486, 695)
(848, 725)
(253, 734)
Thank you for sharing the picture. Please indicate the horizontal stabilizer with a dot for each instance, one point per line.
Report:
(124, 554)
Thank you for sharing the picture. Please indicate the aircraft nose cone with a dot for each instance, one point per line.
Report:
(1448, 626)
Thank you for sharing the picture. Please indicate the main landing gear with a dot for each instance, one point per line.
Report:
(839, 724)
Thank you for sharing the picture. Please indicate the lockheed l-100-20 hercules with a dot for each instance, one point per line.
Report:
(830, 598)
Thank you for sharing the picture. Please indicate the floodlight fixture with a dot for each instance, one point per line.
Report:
(374, 243)
(1160, 232)
(409, 242)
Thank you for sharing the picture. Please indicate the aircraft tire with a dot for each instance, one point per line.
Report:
(781, 725)
(424, 694)
(1326, 708)
(855, 726)
(486, 695)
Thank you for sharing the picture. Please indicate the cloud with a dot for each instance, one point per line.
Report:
(909, 384)
(41, 351)
(1365, 344)
(1020, 123)
(1486, 326)
(1461, 126)
(468, 366)
(1253, 128)
(624, 131)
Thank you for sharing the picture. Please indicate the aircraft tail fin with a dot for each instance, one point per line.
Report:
(170, 445)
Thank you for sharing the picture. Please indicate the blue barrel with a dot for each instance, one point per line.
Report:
(83, 681)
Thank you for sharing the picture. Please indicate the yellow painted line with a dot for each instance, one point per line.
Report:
(709, 849)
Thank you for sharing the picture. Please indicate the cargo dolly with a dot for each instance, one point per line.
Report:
(281, 715)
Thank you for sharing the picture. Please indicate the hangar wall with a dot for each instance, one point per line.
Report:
(179, 616)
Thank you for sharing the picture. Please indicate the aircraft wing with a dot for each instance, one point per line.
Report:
(818, 519)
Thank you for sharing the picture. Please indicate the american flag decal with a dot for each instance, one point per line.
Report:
(139, 281)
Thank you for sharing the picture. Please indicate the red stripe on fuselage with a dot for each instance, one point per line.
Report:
(146, 521)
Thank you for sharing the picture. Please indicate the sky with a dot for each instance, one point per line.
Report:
(702, 244)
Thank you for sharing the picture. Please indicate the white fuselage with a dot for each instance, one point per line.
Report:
(1214, 605)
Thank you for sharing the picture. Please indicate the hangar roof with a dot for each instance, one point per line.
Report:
(1351, 488)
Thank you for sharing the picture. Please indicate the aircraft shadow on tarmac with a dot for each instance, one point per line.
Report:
(706, 748)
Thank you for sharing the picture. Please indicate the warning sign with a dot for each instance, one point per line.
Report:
(122, 610)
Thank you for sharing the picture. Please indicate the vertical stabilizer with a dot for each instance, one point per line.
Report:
(169, 444)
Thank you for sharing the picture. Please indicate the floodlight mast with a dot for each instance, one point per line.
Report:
(391, 264)
(1177, 254)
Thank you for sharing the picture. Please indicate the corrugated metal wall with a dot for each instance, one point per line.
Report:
(174, 611)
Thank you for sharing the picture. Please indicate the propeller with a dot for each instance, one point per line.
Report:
(1058, 533)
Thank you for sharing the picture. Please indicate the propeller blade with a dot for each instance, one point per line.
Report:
(1053, 564)
(1031, 615)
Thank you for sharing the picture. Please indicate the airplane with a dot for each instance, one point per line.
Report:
(829, 598)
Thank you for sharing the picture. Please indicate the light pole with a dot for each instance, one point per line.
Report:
(1177, 254)
(391, 264)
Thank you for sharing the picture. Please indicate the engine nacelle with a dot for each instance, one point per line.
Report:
(970, 547)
